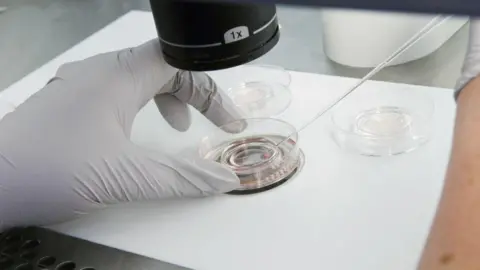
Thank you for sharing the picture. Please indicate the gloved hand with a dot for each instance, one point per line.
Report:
(471, 65)
(66, 150)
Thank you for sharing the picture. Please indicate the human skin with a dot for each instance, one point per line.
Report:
(454, 241)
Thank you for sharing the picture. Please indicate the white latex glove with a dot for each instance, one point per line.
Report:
(66, 150)
(471, 65)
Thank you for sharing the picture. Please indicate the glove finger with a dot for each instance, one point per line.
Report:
(200, 90)
(149, 70)
(186, 176)
(174, 111)
(139, 175)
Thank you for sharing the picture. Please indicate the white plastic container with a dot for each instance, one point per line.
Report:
(365, 38)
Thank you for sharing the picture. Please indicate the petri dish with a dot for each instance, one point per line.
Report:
(383, 122)
(258, 91)
(260, 154)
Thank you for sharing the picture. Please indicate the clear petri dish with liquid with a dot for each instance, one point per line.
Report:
(383, 122)
(258, 91)
(257, 150)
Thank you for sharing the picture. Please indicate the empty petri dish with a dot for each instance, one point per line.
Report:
(383, 122)
(258, 91)
(261, 155)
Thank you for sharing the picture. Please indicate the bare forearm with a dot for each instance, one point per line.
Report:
(454, 242)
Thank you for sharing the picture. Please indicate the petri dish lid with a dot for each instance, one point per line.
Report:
(383, 122)
(259, 91)
(260, 99)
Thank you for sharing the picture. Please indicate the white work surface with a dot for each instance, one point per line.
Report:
(342, 212)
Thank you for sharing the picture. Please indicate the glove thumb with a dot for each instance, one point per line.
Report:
(185, 175)
(142, 175)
